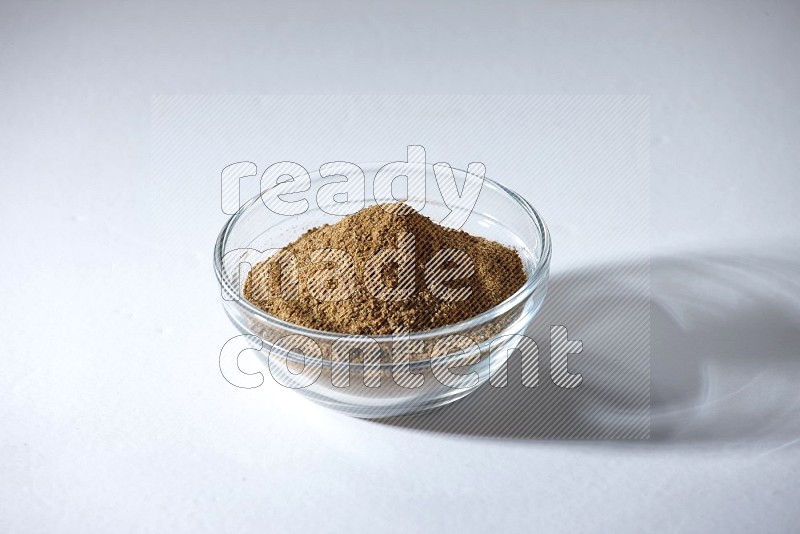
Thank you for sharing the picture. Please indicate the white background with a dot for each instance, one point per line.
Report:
(114, 414)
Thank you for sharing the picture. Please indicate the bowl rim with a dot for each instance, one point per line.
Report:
(520, 296)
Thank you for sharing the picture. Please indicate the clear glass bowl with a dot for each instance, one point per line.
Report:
(381, 384)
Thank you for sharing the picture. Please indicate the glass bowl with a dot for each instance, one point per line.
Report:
(374, 377)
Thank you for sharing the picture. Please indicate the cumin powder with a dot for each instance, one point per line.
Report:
(386, 269)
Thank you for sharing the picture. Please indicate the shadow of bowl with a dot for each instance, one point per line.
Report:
(690, 349)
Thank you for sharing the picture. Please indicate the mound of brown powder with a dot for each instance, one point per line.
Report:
(383, 270)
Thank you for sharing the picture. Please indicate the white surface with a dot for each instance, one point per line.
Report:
(114, 414)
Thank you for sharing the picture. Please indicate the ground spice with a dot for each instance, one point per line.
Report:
(384, 270)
